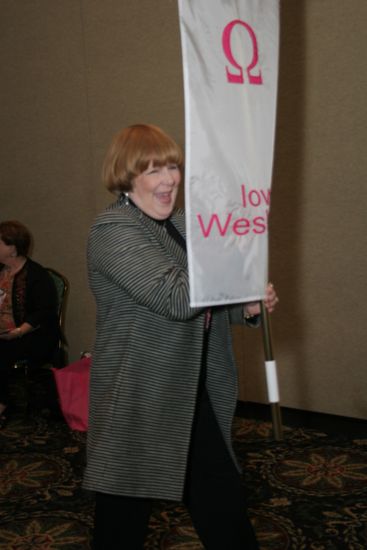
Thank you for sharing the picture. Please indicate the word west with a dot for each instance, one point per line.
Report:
(226, 225)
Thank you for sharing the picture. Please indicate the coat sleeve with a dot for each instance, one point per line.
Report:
(125, 256)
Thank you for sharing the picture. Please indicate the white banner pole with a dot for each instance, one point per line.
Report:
(271, 375)
(230, 62)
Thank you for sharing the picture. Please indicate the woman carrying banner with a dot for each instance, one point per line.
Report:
(163, 381)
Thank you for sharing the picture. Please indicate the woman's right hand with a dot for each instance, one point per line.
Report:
(10, 335)
(271, 299)
(16, 332)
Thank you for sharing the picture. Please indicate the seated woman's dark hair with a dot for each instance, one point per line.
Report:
(15, 233)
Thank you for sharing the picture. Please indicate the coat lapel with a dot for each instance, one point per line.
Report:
(158, 232)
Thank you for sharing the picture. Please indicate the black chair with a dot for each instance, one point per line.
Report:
(62, 289)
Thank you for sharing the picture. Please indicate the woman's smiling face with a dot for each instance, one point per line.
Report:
(155, 190)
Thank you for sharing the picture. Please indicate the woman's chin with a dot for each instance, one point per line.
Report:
(162, 211)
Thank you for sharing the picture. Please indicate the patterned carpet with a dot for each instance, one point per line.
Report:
(307, 492)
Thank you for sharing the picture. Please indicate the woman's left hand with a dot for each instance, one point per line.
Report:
(270, 301)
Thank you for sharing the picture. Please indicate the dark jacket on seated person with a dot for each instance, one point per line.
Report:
(34, 300)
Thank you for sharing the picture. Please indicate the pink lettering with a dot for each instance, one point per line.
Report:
(259, 225)
(241, 226)
(227, 48)
(266, 196)
(243, 194)
(257, 200)
(214, 219)
(254, 197)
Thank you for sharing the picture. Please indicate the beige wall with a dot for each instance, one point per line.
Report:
(74, 72)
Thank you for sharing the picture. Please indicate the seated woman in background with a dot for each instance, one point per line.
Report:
(29, 327)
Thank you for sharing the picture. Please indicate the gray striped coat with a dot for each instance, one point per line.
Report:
(147, 358)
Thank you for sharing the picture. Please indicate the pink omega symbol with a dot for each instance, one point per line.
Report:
(226, 43)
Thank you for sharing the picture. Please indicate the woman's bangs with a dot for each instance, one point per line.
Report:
(160, 155)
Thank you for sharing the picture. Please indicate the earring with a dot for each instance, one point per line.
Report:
(126, 199)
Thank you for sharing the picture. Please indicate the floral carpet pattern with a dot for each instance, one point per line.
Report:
(308, 491)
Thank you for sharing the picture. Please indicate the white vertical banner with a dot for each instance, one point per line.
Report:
(230, 60)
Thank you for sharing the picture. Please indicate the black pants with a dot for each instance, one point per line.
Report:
(36, 347)
(213, 495)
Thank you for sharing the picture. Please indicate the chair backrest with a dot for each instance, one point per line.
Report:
(62, 289)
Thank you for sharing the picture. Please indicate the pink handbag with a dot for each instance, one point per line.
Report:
(72, 383)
